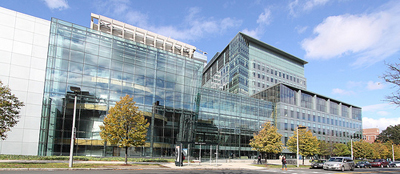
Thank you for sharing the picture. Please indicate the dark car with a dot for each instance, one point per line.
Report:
(380, 163)
(363, 164)
(395, 164)
(317, 164)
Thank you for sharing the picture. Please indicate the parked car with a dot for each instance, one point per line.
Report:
(318, 164)
(395, 164)
(339, 163)
(380, 163)
(363, 164)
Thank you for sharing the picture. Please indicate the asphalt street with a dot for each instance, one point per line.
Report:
(169, 171)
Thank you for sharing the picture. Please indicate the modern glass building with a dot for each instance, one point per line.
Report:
(215, 106)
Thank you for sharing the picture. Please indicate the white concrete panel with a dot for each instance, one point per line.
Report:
(40, 40)
(5, 57)
(39, 52)
(43, 21)
(7, 19)
(37, 75)
(7, 32)
(19, 72)
(25, 24)
(15, 134)
(23, 36)
(36, 86)
(43, 29)
(4, 69)
(22, 48)
(21, 60)
(33, 110)
(17, 84)
(34, 98)
(6, 44)
(30, 148)
(4, 79)
(9, 147)
(38, 63)
(32, 123)
(8, 12)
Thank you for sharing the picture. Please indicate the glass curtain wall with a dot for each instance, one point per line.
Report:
(105, 67)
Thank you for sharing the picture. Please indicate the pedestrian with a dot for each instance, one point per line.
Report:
(284, 163)
(259, 159)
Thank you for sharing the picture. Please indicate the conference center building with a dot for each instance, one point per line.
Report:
(216, 106)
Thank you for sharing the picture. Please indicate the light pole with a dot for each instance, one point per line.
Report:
(352, 149)
(71, 151)
(297, 152)
(393, 153)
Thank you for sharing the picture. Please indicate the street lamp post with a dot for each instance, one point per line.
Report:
(297, 152)
(393, 153)
(71, 151)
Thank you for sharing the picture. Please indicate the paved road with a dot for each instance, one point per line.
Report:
(170, 171)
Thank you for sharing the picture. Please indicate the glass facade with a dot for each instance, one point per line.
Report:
(106, 67)
(311, 112)
(165, 86)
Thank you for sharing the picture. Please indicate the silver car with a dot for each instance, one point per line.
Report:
(339, 163)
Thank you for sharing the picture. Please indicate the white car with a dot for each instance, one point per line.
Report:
(395, 164)
(339, 163)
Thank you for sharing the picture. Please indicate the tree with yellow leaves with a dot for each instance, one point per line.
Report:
(268, 140)
(308, 144)
(124, 125)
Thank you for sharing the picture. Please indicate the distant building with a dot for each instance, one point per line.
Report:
(370, 134)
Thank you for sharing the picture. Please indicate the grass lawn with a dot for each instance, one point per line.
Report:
(76, 165)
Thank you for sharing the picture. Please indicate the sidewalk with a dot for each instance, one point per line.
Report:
(221, 165)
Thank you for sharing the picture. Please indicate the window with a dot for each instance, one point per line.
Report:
(263, 76)
(254, 65)
(258, 67)
(254, 74)
(283, 75)
(259, 76)
(272, 71)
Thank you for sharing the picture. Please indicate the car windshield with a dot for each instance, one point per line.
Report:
(336, 159)
(320, 161)
(378, 160)
(361, 162)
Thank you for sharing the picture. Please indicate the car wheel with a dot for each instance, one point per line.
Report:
(342, 168)
(352, 168)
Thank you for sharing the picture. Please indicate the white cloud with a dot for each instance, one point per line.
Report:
(263, 19)
(296, 7)
(300, 29)
(370, 37)
(374, 85)
(381, 123)
(193, 26)
(342, 92)
(377, 107)
(57, 4)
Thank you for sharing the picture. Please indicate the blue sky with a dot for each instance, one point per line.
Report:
(346, 42)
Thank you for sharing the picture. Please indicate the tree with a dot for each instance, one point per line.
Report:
(380, 150)
(391, 133)
(325, 149)
(124, 125)
(341, 150)
(308, 144)
(392, 76)
(9, 109)
(362, 149)
(268, 140)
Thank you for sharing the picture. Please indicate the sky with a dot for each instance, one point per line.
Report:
(347, 43)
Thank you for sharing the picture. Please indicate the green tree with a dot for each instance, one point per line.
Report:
(9, 109)
(124, 125)
(308, 144)
(325, 149)
(268, 140)
(380, 150)
(391, 133)
(341, 150)
(362, 149)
